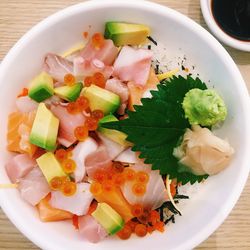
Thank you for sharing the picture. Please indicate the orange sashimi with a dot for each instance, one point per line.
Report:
(136, 93)
(48, 213)
(116, 200)
(19, 127)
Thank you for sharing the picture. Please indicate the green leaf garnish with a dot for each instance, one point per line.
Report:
(156, 126)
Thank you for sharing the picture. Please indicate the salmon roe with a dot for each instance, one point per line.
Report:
(56, 183)
(73, 108)
(137, 210)
(142, 177)
(65, 179)
(132, 224)
(154, 217)
(108, 186)
(95, 188)
(88, 81)
(81, 133)
(97, 114)
(99, 80)
(91, 123)
(100, 176)
(141, 230)
(139, 189)
(69, 79)
(145, 217)
(117, 167)
(69, 166)
(24, 92)
(125, 233)
(129, 174)
(69, 188)
(119, 179)
(82, 103)
(97, 40)
(159, 226)
(61, 154)
(150, 229)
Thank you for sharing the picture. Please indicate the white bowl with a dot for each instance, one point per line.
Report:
(208, 208)
(218, 32)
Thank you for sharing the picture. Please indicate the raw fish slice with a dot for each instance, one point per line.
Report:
(33, 187)
(57, 66)
(19, 166)
(68, 123)
(127, 156)
(25, 104)
(76, 204)
(133, 65)
(79, 154)
(90, 229)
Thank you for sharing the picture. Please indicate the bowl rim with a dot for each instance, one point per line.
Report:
(232, 199)
(218, 32)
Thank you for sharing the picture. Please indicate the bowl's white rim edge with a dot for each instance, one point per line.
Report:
(217, 31)
(217, 221)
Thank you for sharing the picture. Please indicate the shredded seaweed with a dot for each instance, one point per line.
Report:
(152, 40)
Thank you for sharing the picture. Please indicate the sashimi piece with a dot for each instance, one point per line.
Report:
(127, 156)
(33, 187)
(116, 200)
(57, 66)
(48, 213)
(90, 229)
(97, 160)
(68, 123)
(77, 204)
(118, 87)
(133, 65)
(106, 53)
(84, 67)
(136, 93)
(113, 148)
(79, 154)
(18, 166)
(25, 104)
(19, 127)
(156, 193)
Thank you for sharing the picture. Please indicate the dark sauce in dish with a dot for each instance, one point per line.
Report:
(233, 16)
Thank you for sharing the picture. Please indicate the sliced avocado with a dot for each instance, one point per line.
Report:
(69, 93)
(126, 33)
(101, 99)
(111, 221)
(41, 87)
(50, 166)
(112, 134)
(44, 129)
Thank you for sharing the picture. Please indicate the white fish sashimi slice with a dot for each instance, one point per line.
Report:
(79, 154)
(113, 148)
(76, 204)
(25, 104)
(90, 229)
(127, 156)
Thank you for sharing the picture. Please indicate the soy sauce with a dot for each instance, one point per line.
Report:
(233, 16)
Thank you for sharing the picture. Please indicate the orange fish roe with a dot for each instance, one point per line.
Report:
(119, 179)
(88, 81)
(91, 123)
(97, 40)
(81, 133)
(69, 79)
(139, 189)
(75, 221)
(24, 92)
(73, 108)
(56, 183)
(61, 154)
(82, 103)
(95, 188)
(137, 210)
(65, 179)
(141, 230)
(125, 233)
(144, 218)
(154, 217)
(117, 167)
(132, 225)
(69, 188)
(108, 186)
(97, 114)
(99, 80)
(159, 226)
(129, 174)
(150, 229)
(69, 166)
(142, 177)
(100, 176)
